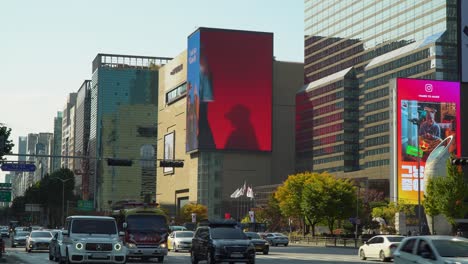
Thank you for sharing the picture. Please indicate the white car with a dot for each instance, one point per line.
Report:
(276, 239)
(180, 240)
(381, 247)
(432, 249)
(38, 240)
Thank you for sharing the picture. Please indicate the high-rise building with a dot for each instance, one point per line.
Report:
(352, 50)
(68, 132)
(57, 143)
(19, 181)
(82, 117)
(124, 97)
(41, 151)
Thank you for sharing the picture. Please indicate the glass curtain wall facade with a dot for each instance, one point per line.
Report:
(82, 123)
(57, 148)
(124, 96)
(380, 40)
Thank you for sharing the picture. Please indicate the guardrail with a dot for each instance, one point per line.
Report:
(327, 241)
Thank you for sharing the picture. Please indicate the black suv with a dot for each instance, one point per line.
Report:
(221, 241)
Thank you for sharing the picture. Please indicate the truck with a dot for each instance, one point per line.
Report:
(146, 231)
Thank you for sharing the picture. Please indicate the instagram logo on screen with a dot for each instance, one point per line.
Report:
(428, 88)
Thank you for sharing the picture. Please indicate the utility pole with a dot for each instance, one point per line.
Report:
(63, 197)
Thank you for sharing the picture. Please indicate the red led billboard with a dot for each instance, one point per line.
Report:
(229, 102)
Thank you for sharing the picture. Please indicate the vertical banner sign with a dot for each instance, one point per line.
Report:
(252, 216)
(464, 40)
(194, 217)
(169, 141)
(428, 112)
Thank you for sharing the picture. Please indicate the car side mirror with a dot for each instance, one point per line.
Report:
(121, 233)
(124, 225)
(65, 232)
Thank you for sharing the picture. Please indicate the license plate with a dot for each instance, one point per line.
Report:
(237, 255)
(99, 255)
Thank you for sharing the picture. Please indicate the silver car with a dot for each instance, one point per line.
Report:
(38, 240)
(180, 240)
(432, 249)
(19, 238)
(276, 239)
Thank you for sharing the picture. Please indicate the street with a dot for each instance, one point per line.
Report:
(292, 254)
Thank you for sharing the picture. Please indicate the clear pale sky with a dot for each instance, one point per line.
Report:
(47, 47)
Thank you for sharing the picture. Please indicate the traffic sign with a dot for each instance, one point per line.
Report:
(18, 167)
(5, 185)
(85, 205)
(5, 196)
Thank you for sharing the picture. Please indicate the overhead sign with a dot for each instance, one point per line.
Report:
(85, 205)
(18, 167)
(5, 185)
(5, 196)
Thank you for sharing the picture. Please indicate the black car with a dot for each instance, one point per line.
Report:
(261, 245)
(221, 242)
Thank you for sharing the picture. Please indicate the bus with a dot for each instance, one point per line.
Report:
(146, 231)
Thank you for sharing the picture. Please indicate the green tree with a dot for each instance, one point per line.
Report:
(388, 211)
(313, 202)
(199, 209)
(6, 145)
(271, 215)
(289, 196)
(341, 197)
(447, 195)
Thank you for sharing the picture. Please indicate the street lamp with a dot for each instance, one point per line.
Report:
(416, 122)
(63, 196)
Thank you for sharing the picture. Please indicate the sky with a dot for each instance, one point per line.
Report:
(47, 46)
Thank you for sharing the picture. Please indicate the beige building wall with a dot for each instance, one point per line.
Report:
(181, 184)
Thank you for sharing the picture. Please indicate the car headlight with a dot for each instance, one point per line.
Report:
(79, 246)
(163, 245)
(118, 247)
(266, 244)
(131, 245)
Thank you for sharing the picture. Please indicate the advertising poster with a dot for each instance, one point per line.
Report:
(169, 140)
(428, 112)
(229, 103)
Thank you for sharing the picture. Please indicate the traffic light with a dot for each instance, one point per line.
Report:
(460, 161)
(171, 163)
(119, 162)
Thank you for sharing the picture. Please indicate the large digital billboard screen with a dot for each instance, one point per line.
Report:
(428, 112)
(229, 88)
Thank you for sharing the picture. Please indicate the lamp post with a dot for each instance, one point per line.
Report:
(416, 122)
(63, 197)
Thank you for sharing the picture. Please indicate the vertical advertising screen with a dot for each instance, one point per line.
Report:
(229, 84)
(428, 112)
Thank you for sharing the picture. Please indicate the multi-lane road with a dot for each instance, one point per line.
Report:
(292, 254)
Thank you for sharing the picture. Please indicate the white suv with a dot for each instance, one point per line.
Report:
(92, 239)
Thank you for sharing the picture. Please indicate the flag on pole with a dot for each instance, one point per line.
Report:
(250, 193)
(235, 193)
(244, 189)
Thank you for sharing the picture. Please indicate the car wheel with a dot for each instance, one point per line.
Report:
(252, 261)
(362, 255)
(51, 257)
(209, 258)
(286, 244)
(193, 258)
(265, 252)
(382, 256)
(161, 259)
(174, 247)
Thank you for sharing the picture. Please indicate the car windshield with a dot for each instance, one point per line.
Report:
(278, 235)
(93, 226)
(146, 222)
(22, 233)
(227, 233)
(41, 234)
(451, 248)
(184, 234)
(395, 239)
(253, 235)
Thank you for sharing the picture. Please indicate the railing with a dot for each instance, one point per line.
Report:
(327, 241)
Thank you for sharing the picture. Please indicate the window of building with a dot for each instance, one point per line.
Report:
(176, 93)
